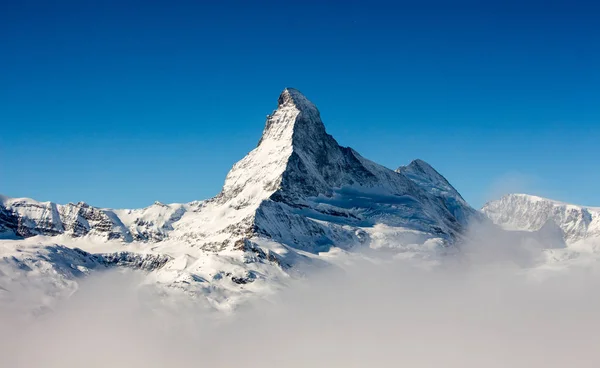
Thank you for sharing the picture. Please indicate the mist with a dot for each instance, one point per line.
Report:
(487, 306)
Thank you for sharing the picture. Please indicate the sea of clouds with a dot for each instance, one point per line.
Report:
(489, 305)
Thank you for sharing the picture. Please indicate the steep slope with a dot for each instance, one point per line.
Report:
(531, 213)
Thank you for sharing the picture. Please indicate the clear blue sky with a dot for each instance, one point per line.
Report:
(120, 103)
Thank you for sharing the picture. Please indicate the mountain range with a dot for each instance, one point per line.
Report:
(290, 203)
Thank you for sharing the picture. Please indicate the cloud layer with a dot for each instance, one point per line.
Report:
(476, 309)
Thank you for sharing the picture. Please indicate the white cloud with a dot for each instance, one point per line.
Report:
(472, 311)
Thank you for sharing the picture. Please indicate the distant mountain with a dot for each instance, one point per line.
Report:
(531, 213)
(24, 217)
(296, 194)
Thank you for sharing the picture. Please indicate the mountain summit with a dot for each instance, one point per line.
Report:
(294, 113)
(292, 97)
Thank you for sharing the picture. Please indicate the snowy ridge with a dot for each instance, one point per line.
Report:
(427, 177)
(25, 217)
(436, 185)
(532, 213)
(296, 195)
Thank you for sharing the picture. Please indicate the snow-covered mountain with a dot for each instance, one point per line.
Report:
(531, 213)
(297, 194)
(297, 187)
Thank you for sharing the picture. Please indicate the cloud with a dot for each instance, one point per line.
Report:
(471, 311)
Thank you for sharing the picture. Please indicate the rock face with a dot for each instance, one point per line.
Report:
(531, 213)
(298, 187)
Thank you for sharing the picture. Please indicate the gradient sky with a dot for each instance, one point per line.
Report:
(121, 103)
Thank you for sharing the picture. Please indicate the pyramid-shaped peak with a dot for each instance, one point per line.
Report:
(291, 97)
(295, 118)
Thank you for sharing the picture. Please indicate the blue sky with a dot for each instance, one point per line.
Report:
(120, 103)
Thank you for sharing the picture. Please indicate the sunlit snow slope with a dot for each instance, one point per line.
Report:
(532, 213)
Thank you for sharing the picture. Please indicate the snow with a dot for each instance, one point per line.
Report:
(295, 198)
(531, 213)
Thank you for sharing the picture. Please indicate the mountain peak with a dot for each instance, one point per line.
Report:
(421, 166)
(424, 175)
(422, 169)
(291, 97)
(294, 113)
